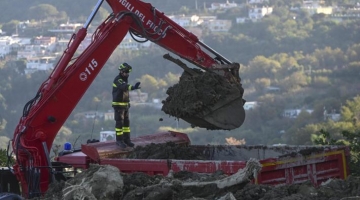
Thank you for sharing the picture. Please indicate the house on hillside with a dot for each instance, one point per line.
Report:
(5, 46)
(333, 115)
(109, 115)
(138, 97)
(294, 113)
(186, 21)
(30, 51)
(223, 6)
(257, 1)
(249, 105)
(272, 89)
(67, 28)
(314, 7)
(258, 13)
(39, 63)
(218, 25)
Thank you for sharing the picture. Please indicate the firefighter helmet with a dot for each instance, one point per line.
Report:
(125, 67)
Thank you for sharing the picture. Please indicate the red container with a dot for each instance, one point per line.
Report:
(280, 164)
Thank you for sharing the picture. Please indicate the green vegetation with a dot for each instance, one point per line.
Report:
(351, 139)
(4, 158)
(312, 60)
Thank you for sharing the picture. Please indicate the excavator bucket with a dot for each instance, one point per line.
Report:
(226, 115)
(208, 99)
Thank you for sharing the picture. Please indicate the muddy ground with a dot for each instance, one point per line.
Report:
(107, 182)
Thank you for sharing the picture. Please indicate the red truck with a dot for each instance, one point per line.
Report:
(281, 164)
(45, 114)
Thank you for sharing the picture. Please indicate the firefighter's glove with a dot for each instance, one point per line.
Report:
(136, 86)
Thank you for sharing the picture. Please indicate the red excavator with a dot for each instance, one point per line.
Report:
(56, 98)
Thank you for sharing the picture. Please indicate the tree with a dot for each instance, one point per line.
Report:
(102, 14)
(330, 58)
(184, 10)
(43, 11)
(262, 83)
(4, 158)
(262, 67)
(353, 53)
(149, 84)
(301, 135)
(296, 81)
(351, 111)
(171, 78)
(2, 114)
(10, 27)
(351, 139)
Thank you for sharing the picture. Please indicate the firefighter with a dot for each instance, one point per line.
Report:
(121, 105)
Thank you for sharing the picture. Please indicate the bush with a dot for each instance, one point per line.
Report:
(350, 139)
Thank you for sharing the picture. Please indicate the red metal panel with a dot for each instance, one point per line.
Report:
(228, 167)
(99, 150)
(77, 160)
(317, 168)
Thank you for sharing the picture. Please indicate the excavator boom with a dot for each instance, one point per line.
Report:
(58, 95)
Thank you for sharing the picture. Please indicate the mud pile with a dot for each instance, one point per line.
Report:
(199, 95)
(193, 94)
(168, 150)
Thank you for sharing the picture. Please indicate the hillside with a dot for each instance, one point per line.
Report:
(17, 9)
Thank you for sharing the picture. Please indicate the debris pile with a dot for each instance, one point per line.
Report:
(108, 183)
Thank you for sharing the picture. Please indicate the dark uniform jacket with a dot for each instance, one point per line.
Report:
(120, 92)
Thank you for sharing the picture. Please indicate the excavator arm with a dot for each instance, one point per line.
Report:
(158, 28)
(56, 98)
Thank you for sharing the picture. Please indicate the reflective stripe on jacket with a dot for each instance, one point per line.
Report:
(120, 92)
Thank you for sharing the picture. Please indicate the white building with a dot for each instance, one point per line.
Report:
(26, 54)
(31, 51)
(250, 105)
(257, 1)
(313, 3)
(138, 97)
(187, 21)
(240, 20)
(218, 25)
(67, 28)
(294, 113)
(39, 63)
(5, 45)
(107, 136)
(224, 6)
(258, 13)
(131, 44)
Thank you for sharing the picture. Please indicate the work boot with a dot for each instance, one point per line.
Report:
(127, 140)
(120, 141)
